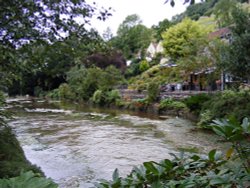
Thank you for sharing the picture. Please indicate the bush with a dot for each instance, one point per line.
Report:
(172, 104)
(113, 97)
(226, 104)
(195, 102)
(54, 94)
(27, 180)
(98, 97)
(65, 92)
(153, 91)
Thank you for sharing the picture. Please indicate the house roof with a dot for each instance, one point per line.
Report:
(219, 33)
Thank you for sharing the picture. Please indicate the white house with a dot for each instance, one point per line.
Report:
(153, 49)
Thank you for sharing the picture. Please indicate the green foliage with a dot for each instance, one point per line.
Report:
(169, 103)
(54, 94)
(226, 104)
(65, 92)
(144, 65)
(223, 12)
(102, 98)
(132, 37)
(32, 47)
(156, 73)
(197, 10)
(98, 97)
(27, 180)
(114, 97)
(183, 39)
(110, 78)
(85, 82)
(237, 133)
(195, 102)
(3, 114)
(236, 57)
(153, 89)
(12, 158)
(160, 28)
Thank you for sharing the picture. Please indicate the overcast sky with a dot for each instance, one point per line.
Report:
(150, 11)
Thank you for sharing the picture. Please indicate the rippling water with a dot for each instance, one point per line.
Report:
(77, 146)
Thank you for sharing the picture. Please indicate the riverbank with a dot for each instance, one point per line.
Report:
(12, 158)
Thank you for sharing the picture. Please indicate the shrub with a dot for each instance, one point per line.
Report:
(98, 97)
(153, 91)
(54, 94)
(227, 104)
(172, 104)
(195, 102)
(28, 180)
(113, 97)
(144, 65)
(65, 92)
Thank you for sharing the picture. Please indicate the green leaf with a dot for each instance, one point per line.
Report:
(211, 155)
(151, 168)
(157, 184)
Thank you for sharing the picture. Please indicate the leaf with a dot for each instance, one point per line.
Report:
(151, 168)
(157, 184)
(172, 3)
(115, 175)
(211, 155)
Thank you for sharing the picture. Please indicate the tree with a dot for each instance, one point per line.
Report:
(23, 21)
(195, 11)
(223, 12)
(132, 37)
(160, 28)
(236, 60)
(36, 23)
(183, 39)
(107, 34)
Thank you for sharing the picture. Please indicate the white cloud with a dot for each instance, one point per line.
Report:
(150, 11)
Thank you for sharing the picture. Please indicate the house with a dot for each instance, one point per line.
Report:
(153, 49)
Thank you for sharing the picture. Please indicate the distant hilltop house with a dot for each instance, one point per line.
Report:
(153, 49)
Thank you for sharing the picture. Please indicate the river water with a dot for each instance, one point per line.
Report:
(77, 146)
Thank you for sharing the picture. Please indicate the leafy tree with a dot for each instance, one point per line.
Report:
(85, 82)
(132, 37)
(195, 11)
(107, 34)
(223, 12)
(32, 23)
(183, 39)
(160, 28)
(236, 59)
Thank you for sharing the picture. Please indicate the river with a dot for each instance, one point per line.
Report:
(77, 146)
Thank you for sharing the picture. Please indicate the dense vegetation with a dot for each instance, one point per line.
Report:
(45, 54)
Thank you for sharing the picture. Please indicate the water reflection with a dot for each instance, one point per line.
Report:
(76, 146)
